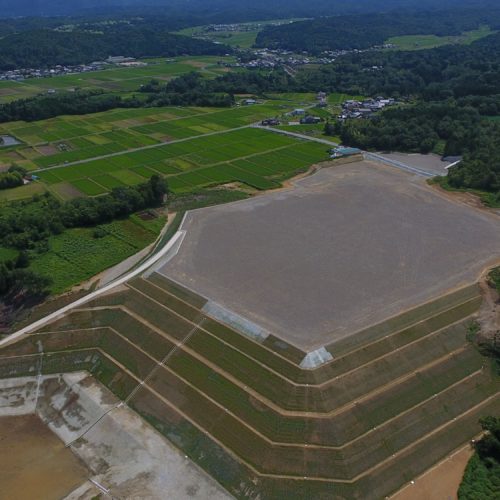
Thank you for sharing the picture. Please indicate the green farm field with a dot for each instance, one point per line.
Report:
(248, 155)
(193, 147)
(419, 42)
(114, 79)
(78, 254)
(68, 139)
(244, 38)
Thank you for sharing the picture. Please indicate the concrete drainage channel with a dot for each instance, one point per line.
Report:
(123, 456)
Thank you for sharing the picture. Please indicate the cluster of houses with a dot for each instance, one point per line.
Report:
(364, 109)
(272, 58)
(19, 75)
(59, 70)
(218, 28)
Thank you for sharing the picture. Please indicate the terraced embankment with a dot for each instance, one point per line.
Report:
(396, 399)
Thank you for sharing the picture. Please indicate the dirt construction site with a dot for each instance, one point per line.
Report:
(306, 343)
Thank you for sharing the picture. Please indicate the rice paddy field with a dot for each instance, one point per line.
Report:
(192, 147)
(114, 79)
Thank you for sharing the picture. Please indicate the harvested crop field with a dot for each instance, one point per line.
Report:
(342, 250)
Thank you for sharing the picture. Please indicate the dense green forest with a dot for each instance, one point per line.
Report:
(40, 48)
(13, 177)
(362, 32)
(462, 72)
(219, 11)
(438, 73)
(27, 225)
(418, 128)
(481, 479)
(450, 128)
(191, 89)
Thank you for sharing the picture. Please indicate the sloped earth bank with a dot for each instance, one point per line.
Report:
(69, 437)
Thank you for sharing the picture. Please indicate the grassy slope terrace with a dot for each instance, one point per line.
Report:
(397, 399)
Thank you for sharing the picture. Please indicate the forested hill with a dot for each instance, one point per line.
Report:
(436, 74)
(365, 31)
(45, 47)
(222, 10)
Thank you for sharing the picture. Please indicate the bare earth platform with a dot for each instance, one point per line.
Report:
(344, 249)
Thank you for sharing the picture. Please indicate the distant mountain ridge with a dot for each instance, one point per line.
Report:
(212, 8)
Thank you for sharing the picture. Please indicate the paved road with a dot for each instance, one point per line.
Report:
(398, 164)
(155, 257)
(297, 135)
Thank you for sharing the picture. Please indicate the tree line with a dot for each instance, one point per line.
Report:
(79, 102)
(14, 177)
(187, 90)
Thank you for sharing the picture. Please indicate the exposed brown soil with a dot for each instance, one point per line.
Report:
(439, 483)
(34, 463)
(470, 199)
(489, 314)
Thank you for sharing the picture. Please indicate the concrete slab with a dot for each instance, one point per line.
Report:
(344, 249)
(126, 457)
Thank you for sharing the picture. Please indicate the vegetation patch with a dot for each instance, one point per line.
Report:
(481, 479)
